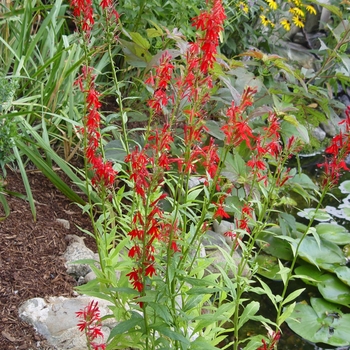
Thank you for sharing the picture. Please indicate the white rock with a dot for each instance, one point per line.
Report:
(65, 223)
(55, 319)
(223, 227)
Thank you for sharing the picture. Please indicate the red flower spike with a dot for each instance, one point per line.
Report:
(90, 323)
(337, 152)
(211, 22)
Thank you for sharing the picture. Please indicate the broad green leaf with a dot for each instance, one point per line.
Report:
(334, 233)
(138, 39)
(273, 243)
(201, 343)
(343, 273)
(310, 274)
(268, 266)
(214, 129)
(320, 255)
(345, 187)
(313, 214)
(161, 311)
(324, 320)
(332, 289)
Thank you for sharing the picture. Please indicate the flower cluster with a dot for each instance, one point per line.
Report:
(297, 10)
(211, 22)
(83, 10)
(148, 165)
(336, 154)
(147, 174)
(90, 323)
(163, 75)
(104, 173)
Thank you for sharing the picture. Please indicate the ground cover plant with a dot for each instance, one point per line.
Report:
(175, 138)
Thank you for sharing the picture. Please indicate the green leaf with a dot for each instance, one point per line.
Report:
(313, 214)
(286, 313)
(292, 296)
(273, 243)
(310, 274)
(320, 255)
(126, 326)
(250, 310)
(193, 194)
(140, 41)
(268, 266)
(202, 344)
(25, 180)
(343, 273)
(345, 187)
(334, 233)
(325, 323)
(332, 289)
(165, 330)
(214, 129)
(50, 173)
(5, 206)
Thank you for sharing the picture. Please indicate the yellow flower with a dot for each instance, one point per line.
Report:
(285, 24)
(272, 4)
(298, 22)
(296, 11)
(297, 3)
(264, 20)
(311, 9)
(243, 6)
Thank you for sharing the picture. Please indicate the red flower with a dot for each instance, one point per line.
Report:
(150, 270)
(220, 212)
(211, 22)
(237, 129)
(104, 174)
(337, 152)
(90, 323)
(84, 10)
(163, 76)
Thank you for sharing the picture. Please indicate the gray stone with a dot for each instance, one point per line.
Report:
(319, 134)
(55, 319)
(65, 223)
(215, 242)
(77, 250)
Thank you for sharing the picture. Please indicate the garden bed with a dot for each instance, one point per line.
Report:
(30, 263)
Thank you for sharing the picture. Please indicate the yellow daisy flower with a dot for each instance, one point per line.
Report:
(297, 3)
(243, 6)
(296, 11)
(311, 9)
(298, 22)
(285, 24)
(272, 4)
(264, 20)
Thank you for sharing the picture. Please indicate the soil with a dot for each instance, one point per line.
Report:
(30, 255)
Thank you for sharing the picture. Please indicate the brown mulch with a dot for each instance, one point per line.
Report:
(30, 263)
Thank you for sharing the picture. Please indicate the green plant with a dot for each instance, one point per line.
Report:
(151, 225)
(40, 62)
